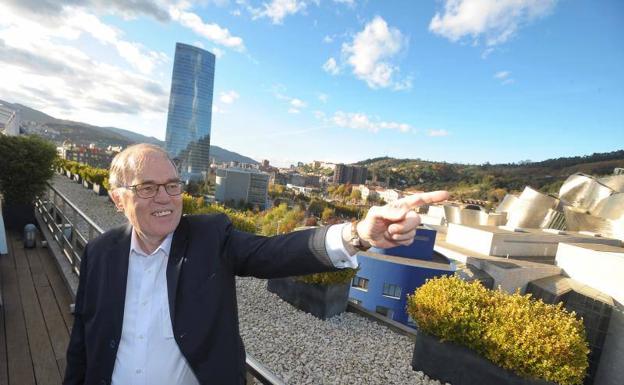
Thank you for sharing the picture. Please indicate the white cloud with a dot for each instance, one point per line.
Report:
(293, 110)
(495, 21)
(323, 97)
(228, 97)
(437, 133)
(328, 39)
(347, 2)
(371, 51)
(42, 68)
(277, 10)
(331, 66)
(504, 77)
(360, 121)
(297, 103)
(218, 52)
(210, 31)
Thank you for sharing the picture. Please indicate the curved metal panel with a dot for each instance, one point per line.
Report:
(530, 209)
(507, 203)
(615, 182)
(451, 212)
(583, 191)
(578, 220)
(611, 207)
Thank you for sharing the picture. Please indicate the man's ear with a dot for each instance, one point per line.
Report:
(115, 196)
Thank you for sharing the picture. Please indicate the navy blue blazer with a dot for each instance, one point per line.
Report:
(206, 254)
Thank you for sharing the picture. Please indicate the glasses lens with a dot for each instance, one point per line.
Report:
(146, 190)
(174, 188)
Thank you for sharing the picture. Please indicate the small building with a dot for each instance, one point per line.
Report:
(386, 277)
(242, 185)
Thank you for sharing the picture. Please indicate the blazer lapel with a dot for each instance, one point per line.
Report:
(179, 244)
(117, 269)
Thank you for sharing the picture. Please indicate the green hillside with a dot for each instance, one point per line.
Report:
(489, 181)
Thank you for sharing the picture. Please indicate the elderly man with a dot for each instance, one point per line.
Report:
(156, 302)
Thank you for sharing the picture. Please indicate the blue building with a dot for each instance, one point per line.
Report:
(384, 280)
(190, 111)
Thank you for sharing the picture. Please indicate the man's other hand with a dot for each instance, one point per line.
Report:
(395, 223)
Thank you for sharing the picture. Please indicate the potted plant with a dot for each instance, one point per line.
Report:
(468, 334)
(99, 178)
(85, 174)
(27, 164)
(323, 295)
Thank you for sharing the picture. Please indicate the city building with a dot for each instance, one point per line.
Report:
(386, 277)
(90, 155)
(235, 185)
(190, 111)
(350, 174)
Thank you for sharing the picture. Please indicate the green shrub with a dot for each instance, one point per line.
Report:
(27, 163)
(335, 277)
(516, 332)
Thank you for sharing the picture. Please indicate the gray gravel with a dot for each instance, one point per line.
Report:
(296, 346)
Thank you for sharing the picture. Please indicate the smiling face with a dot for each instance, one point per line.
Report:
(152, 218)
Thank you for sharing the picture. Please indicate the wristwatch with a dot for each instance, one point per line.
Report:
(355, 239)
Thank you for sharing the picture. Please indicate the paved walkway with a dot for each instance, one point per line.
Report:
(34, 318)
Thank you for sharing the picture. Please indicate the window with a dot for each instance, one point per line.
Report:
(390, 290)
(384, 311)
(355, 301)
(360, 283)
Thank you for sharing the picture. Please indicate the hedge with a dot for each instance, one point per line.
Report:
(516, 332)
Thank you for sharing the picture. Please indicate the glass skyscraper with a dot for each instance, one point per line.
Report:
(190, 111)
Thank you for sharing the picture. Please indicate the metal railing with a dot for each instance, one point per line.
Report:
(71, 229)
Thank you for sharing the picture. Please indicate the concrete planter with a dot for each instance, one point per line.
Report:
(99, 189)
(458, 365)
(86, 184)
(321, 301)
(69, 174)
(18, 215)
(77, 178)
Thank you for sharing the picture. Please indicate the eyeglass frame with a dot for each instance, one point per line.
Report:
(164, 185)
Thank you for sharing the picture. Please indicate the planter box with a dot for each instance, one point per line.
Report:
(86, 184)
(16, 216)
(321, 301)
(99, 189)
(77, 178)
(69, 174)
(458, 365)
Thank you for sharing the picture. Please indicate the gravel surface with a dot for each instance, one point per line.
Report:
(296, 346)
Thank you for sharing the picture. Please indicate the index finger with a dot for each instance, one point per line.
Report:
(415, 200)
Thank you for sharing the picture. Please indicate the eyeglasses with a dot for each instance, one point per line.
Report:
(149, 190)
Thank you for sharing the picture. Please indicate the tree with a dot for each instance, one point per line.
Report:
(26, 167)
(327, 214)
(356, 195)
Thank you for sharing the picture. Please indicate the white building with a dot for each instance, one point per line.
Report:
(238, 184)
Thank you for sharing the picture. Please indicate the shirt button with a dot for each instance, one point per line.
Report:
(141, 336)
(144, 303)
(112, 344)
(139, 371)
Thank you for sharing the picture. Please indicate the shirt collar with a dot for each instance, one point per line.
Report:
(165, 246)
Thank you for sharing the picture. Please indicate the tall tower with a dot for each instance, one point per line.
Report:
(190, 111)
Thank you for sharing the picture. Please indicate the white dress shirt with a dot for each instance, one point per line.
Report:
(147, 352)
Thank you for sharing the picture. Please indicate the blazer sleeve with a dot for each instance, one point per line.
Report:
(76, 352)
(296, 253)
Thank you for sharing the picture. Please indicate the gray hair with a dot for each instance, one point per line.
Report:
(126, 163)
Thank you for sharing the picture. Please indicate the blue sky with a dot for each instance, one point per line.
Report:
(468, 81)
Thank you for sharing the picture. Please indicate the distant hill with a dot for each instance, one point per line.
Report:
(489, 181)
(59, 130)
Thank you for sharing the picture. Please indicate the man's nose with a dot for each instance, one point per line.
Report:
(162, 195)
